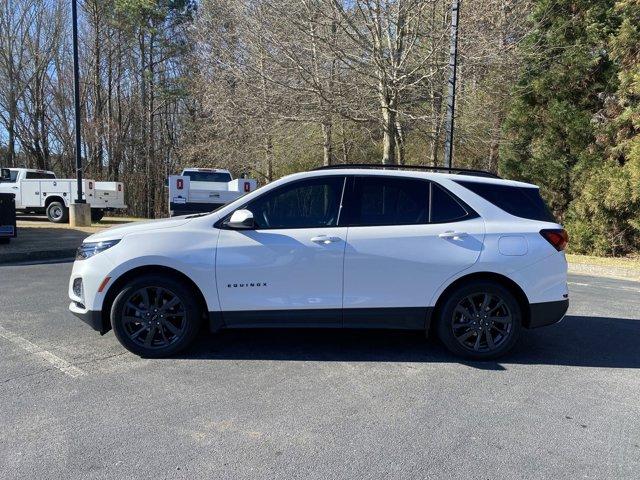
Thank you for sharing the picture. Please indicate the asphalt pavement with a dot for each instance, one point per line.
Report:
(317, 404)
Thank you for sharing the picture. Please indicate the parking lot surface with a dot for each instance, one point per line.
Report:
(317, 404)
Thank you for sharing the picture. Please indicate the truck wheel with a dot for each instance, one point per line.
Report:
(480, 321)
(57, 212)
(96, 214)
(155, 316)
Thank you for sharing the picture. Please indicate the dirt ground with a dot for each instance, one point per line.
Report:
(39, 239)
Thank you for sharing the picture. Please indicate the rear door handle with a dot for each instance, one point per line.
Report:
(453, 235)
(325, 240)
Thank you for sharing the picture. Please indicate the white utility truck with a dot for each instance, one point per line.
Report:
(39, 191)
(199, 190)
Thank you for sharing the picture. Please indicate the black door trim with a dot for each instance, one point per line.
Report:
(404, 318)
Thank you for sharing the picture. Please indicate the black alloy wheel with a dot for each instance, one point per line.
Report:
(480, 321)
(155, 316)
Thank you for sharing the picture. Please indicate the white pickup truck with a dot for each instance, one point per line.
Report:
(199, 190)
(39, 191)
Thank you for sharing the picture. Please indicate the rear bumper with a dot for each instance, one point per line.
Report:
(547, 313)
(93, 318)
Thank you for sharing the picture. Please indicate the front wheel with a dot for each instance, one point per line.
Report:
(155, 316)
(480, 321)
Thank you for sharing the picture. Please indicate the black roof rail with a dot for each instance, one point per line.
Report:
(379, 166)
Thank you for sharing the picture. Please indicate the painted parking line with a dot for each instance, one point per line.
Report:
(59, 363)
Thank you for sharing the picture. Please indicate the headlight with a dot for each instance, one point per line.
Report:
(90, 249)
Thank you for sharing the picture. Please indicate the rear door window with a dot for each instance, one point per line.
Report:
(389, 201)
(524, 202)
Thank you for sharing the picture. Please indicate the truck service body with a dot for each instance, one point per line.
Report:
(39, 191)
(199, 190)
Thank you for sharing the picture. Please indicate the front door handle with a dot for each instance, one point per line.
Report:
(325, 240)
(453, 235)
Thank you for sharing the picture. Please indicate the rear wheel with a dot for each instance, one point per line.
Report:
(57, 212)
(155, 316)
(96, 214)
(480, 321)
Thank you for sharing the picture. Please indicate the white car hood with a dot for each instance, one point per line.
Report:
(116, 233)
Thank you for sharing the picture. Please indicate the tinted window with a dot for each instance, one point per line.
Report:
(39, 176)
(222, 177)
(306, 204)
(8, 176)
(444, 208)
(389, 201)
(524, 202)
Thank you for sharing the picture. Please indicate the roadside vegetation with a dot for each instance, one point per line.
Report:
(548, 92)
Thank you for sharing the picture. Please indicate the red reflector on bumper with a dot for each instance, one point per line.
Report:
(103, 284)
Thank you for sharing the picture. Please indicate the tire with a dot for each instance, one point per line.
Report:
(466, 327)
(96, 215)
(5, 240)
(129, 306)
(57, 212)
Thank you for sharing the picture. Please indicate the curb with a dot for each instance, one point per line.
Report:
(10, 258)
(617, 273)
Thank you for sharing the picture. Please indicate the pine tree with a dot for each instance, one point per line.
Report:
(605, 217)
(549, 132)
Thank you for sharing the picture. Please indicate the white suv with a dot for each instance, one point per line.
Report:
(464, 255)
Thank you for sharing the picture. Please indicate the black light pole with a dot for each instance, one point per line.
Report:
(451, 100)
(76, 99)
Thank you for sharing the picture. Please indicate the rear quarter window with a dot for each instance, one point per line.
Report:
(523, 202)
(444, 208)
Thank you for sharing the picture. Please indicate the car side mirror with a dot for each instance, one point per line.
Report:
(241, 220)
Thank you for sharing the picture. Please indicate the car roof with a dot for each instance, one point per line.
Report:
(411, 174)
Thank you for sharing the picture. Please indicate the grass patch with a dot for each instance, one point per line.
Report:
(622, 262)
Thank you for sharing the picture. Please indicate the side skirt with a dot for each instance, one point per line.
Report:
(409, 318)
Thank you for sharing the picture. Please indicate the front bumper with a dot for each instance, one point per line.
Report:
(92, 318)
(547, 313)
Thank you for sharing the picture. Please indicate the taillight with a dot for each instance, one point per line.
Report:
(90, 185)
(179, 184)
(247, 186)
(119, 187)
(558, 237)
